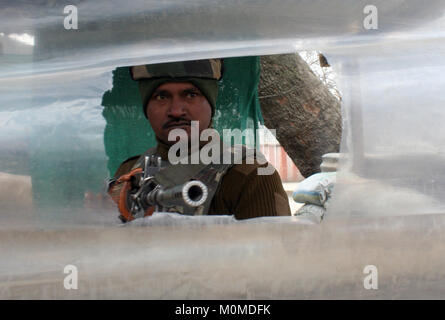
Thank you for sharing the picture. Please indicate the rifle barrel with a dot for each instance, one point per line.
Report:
(193, 194)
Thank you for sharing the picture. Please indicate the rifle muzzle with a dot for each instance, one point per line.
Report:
(193, 193)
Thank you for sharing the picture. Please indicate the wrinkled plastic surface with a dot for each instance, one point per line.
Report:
(391, 174)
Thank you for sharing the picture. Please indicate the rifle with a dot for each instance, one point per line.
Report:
(138, 194)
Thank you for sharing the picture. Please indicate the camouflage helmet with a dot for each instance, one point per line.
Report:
(204, 74)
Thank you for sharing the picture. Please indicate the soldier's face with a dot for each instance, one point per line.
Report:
(174, 105)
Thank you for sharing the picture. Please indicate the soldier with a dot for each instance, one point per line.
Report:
(173, 95)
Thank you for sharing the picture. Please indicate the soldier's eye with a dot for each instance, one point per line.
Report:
(159, 97)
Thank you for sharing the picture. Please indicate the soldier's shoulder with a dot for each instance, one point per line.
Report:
(251, 160)
(131, 159)
(245, 168)
(126, 166)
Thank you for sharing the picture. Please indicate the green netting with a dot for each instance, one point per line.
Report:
(128, 133)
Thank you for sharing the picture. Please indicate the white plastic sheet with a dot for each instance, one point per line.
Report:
(392, 165)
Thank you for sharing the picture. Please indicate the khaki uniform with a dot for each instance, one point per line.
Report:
(242, 192)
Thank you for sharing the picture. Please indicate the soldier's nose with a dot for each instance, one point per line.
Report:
(176, 108)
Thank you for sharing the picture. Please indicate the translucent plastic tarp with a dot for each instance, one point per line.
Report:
(391, 175)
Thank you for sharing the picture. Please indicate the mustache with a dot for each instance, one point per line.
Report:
(175, 122)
